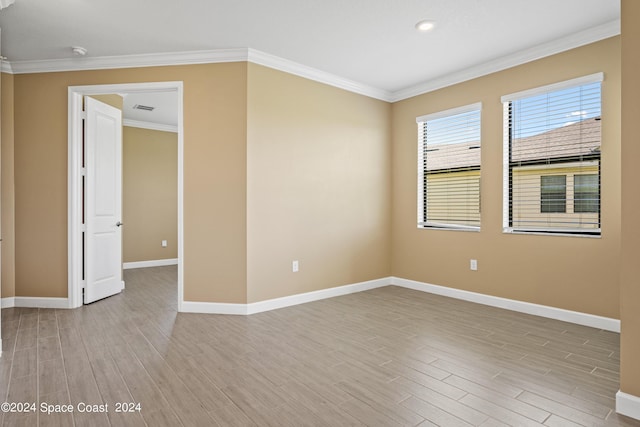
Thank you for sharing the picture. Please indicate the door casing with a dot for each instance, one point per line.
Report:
(74, 191)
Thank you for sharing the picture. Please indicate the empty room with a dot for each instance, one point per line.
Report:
(291, 213)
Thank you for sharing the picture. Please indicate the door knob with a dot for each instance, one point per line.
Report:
(118, 224)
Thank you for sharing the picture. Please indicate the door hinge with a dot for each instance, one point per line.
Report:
(83, 171)
(83, 115)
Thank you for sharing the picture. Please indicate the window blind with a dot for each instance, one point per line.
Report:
(449, 168)
(552, 158)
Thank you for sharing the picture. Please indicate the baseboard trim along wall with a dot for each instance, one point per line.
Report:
(576, 317)
(35, 302)
(151, 263)
(628, 405)
(273, 304)
(584, 319)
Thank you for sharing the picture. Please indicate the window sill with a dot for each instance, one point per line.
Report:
(542, 233)
(431, 227)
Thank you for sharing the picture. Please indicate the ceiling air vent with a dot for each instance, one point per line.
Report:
(143, 107)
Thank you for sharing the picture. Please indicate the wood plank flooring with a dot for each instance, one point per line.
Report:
(385, 357)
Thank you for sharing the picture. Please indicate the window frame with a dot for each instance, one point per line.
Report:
(422, 222)
(506, 166)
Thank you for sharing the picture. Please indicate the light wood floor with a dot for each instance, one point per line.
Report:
(385, 357)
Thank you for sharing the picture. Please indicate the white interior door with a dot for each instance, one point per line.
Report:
(102, 201)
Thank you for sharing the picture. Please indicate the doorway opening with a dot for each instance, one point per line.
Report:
(76, 228)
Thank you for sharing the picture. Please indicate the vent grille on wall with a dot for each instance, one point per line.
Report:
(143, 107)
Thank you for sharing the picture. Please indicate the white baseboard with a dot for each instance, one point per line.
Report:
(213, 308)
(273, 304)
(584, 319)
(151, 263)
(35, 302)
(628, 405)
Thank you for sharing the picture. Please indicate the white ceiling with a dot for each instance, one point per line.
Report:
(371, 42)
(165, 106)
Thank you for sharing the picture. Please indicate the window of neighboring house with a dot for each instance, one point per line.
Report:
(553, 194)
(552, 142)
(586, 193)
(449, 169)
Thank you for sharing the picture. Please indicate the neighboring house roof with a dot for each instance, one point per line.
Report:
(453, 156)
(574, 140)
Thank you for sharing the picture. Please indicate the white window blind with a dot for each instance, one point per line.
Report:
(552, 142)
(449, 168)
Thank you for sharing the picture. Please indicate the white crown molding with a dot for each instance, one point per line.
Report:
(5, 67)
(6, 3)
(194, 57)
(563, 44)
(314, 74)
(130, 61)
(581, 38)
(150, 126)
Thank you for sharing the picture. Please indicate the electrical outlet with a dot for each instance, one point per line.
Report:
(295, 266)
(473, 264)
(164, 243)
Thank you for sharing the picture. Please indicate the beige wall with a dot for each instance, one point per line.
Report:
(215, 103)
(8, 194)
(279, 168)
(318, 169)
(150, 194)
(341, 140)
(327, 199)
(110, 99)
(568, 272)
(630, 271)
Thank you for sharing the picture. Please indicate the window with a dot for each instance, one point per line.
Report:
(586, 193)
(449, 169)
(552, 142)
(553, 193)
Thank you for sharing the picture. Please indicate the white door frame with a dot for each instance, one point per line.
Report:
(74, 191)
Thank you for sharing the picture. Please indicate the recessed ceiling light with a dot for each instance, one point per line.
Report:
(425, 25)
